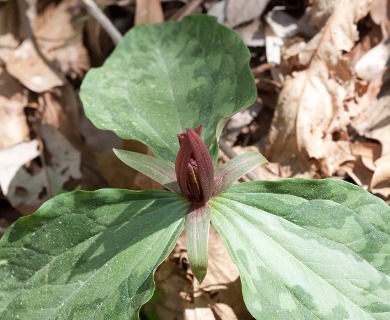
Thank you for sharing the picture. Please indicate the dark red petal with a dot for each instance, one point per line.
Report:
(204, 162)
(199, 129)
(182, 136)
(181, 164)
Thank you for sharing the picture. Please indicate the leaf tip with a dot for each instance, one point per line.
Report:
(199, 273)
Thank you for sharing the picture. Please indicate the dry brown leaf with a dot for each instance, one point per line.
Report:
(304, 122)
(13, 158)
(219, 294)
(148, 11)
(59, 34)
(8, 29)
(373, 63)
(382, 172)
(13, 128)
(241, 11)
(310, 125)
(323, 10)
(374, 121)
(54, 44)
(379, 12)
(337, 20)
(361, 170)
(60, 108)
(26, 65)
(369, 152)
(30, 188)
(198, 309)
(380, 183)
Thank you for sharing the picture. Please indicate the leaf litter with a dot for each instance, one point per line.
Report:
(321, 71)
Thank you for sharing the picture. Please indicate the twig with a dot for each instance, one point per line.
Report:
(188, 9)
(107, 25)
(231, 154)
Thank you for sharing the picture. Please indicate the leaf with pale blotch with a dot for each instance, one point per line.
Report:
(308, 249)
(162, 79)
(88, 255)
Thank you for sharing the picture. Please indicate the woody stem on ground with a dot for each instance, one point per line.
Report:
(106, 23)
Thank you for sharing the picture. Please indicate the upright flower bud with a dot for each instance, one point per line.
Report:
(194, 167)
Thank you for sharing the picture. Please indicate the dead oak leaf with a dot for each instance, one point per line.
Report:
(13, 128)
(337, 20)
(380, 183)
(374, 122)
(304, 122)
(8, 29)
(219, 296)
(28, 190)
(13, 159)
(28, 66)
(59, 34)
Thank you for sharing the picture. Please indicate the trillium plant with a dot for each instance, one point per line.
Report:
(305, 249)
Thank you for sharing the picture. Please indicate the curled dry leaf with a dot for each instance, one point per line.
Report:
(380, 183)
(30, 188)
(382, 173)
(302, 127)
(28, 66)
(374, 121)
(337, 20)
(13, 159)
(323, 10)
(379, 12)
(59, 34)
(57, 48)
(362, 169)
(373, 63)
(309, 128)
(13, 128)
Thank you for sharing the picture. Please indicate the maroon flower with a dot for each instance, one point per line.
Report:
(194, 167)
(193, 177)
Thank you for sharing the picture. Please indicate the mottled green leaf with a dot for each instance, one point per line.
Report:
(162, 79)
(88, 255)
(308, 249)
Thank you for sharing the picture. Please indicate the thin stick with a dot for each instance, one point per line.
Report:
(188, 9)
(107, 25)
